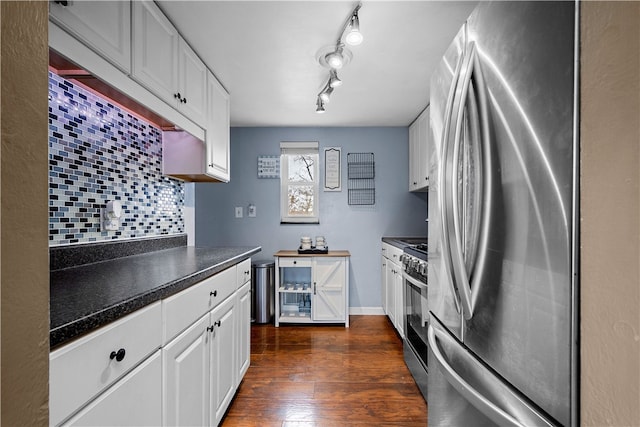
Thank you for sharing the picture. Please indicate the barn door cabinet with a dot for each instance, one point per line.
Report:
(312, 288)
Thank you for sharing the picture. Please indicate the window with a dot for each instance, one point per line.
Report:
(299, 182)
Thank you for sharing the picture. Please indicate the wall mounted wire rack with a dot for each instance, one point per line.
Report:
(361, 172)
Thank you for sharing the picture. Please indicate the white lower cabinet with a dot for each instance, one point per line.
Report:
(243, 333)
(186, 372)
(223, 359)
(158, 366)
(393, 286)
(198, 368)
(135, 400)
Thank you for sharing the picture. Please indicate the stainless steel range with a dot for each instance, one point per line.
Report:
(416, 322)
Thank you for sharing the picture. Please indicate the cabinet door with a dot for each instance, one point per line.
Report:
(104, 26)
(186, 372)
(192, 74)
(383, 283)
(391, 293)
(422, 175)
(217, 132)
(223, 351)
(243, 334)
(398, 286)
(329, 289)
(155, 51)
(414, 155)
(134, 400)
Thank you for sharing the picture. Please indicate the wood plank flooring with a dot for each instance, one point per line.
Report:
(327, 376)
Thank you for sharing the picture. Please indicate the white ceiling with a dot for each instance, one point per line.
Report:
(264, 54)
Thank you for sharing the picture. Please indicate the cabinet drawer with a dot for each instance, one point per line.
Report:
(391, 252)
(135, 400)
(294, 262)
(244, 272)
(184, 308)
(83, 368)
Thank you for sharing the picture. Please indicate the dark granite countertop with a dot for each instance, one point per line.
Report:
(88, 296)
(401, 242)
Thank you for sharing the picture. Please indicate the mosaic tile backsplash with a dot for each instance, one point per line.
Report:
(99, 152)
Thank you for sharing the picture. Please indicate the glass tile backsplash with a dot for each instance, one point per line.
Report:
(99, 152)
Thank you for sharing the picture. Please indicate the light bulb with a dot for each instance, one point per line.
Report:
(334, 60)
(354, 36)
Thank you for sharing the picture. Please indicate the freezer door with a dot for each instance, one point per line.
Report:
(469, 393)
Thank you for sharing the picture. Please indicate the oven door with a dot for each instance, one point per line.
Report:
(416, 316)
(416, 325)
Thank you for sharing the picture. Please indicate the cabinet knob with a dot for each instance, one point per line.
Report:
(184, 100)
(177, 95)
(119, 355)
(209, 328)
(295, 262)
(217, 323)
(210, 165)
(213, 293)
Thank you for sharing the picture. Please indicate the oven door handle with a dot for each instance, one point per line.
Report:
(417, 283)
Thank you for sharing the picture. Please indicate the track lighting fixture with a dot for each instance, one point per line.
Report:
(337, 56)
(334, 81)
(325, 94)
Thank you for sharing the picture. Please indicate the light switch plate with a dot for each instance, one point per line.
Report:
(238, 211)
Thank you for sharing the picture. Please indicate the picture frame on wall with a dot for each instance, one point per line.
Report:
(332, 169)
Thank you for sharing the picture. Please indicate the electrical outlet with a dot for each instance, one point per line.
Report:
(251, 211)
(238, 211)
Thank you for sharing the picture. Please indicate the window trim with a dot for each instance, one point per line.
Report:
(297, 148)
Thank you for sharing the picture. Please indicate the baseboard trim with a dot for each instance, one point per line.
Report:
(367, 311)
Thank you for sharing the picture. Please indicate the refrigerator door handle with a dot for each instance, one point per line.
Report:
(470, 261)
(506, 409)
(442, 191)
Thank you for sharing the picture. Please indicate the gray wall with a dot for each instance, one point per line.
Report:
(355, 228)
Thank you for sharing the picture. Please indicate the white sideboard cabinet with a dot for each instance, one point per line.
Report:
(312, 288)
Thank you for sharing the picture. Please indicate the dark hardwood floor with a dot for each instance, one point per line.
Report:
(327, 376)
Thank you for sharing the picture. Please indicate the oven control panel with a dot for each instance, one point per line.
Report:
(414, 267)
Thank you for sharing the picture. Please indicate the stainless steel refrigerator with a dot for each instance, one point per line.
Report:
(502, 272)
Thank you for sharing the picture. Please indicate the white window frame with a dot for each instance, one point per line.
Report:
(291, 149)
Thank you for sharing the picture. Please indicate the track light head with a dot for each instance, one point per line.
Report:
(319, 106)
(335, 59)
(354, 36)
(334, 81)
(325, 95)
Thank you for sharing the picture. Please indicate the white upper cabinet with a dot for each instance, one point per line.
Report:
(104, 26)
(165, 64)
(419, 152)
(217, 133)
(192, 84)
